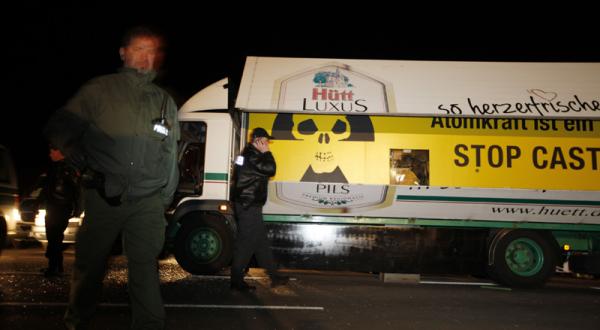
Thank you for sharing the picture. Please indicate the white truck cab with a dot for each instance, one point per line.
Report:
(202, 227)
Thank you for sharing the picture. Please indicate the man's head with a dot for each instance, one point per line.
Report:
(142, 48)
(56, 155)
(260, 132)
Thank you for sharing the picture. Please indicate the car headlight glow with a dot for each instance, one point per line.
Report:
(15, 214)
(40, 218)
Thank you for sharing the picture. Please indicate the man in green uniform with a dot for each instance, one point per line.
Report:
(121, 130)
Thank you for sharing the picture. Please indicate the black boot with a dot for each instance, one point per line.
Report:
(242, 286)
(59, 265)
(278, 280)
(50, 272)
(54, 269)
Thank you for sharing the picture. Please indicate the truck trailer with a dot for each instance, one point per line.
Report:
(484, 168)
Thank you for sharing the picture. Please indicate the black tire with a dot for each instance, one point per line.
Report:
(20, 244)
(523, 258)
(204, 244)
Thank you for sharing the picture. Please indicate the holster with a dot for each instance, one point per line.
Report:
(92, 179)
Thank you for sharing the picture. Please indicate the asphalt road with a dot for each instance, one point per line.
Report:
(312, 300)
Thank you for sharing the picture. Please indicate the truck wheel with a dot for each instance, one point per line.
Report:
(523, 259)
(204, 244)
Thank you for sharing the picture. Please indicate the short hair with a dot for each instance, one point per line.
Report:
(142, 31)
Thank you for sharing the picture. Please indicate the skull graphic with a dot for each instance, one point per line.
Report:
(325, 134)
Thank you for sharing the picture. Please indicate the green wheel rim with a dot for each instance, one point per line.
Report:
(524, 257)
(205, 245)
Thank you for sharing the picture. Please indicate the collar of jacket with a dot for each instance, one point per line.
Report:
(139, 77)
(253, 149)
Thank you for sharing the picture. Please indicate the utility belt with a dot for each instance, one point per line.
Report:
(92, 179)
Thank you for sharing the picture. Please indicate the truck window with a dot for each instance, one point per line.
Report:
(409, 167)
(192, 148)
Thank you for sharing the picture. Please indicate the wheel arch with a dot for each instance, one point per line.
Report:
(496, 236)
(522, 258)
(187, 209)
(204, 243)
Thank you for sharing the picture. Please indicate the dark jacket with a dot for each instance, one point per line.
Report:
(109, 122)
(252, 178)
(60, 188)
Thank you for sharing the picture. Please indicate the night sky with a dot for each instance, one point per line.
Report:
(51, 50)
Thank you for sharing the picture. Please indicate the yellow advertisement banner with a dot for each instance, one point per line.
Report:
(561, 154)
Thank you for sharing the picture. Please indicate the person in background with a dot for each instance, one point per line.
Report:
(253, 169)
(121, 130)
(61, 197)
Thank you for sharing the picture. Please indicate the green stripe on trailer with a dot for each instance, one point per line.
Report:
(496, 200)
(460, 223)
(215, 176)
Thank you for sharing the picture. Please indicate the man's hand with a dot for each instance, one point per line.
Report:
(261, 144)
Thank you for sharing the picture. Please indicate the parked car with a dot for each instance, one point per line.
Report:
(12, 228)
(34, 213)
(39, 228)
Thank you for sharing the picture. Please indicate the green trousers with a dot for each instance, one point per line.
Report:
(142, 226)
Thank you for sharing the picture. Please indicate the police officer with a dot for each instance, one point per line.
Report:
(121, 131)
(60, 194)
(253, 169)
